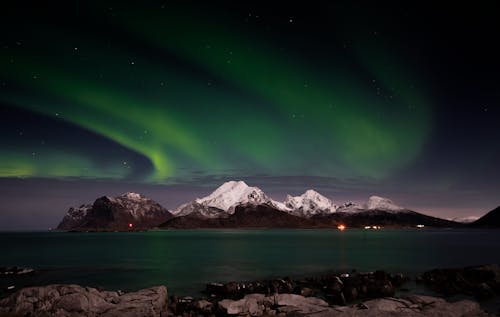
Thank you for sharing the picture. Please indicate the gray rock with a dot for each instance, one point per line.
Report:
(252, 304)
(293, 304)
(297, 305)
(74, 300)
(413, 306)
(203, 305)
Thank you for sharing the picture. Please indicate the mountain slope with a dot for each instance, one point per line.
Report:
(309, 204)
(223, 201)
(116, 213)
(490, 220)
(381, 203)
(384, 218)
(244, 216)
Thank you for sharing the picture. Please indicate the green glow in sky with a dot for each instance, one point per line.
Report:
(214, 99)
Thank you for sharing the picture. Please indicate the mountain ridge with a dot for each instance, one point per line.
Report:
(235, 204)
(129, 211)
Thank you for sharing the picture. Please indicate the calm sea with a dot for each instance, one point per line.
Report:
(185, 260)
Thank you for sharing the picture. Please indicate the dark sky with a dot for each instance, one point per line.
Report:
(172, 98)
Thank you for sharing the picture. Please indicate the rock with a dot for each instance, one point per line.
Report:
(296, 305)
(215, 288)
(479, 281)
(252, 304)
(351, 293)
(380, 275)
(417, 305)
(300, 305)
(203, 305)
(398, 279)
(413, 306)
(74, 300)
(304, 291)
(15, 270)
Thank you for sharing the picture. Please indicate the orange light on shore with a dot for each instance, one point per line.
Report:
(341, 227)
(130, 225)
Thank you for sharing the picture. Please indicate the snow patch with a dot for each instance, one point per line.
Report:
(233, 193)
(381, 203)
(309, 204)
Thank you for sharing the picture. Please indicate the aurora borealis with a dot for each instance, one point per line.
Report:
(167, 93)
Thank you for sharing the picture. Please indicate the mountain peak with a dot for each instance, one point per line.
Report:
(309, 203)
(230, 186)
(382, 203)
(132, 196)
(311, 193)
(124, 212)
(230, 194)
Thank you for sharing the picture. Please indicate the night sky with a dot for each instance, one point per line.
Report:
(171, 99)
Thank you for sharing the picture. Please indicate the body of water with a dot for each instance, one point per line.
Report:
(185, 260)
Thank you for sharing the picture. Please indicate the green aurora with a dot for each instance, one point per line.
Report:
(213, 97)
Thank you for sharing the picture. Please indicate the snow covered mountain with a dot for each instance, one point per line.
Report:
(234, 204)
(309, 204)
(224, 200)
(381, 203)
(233, 193)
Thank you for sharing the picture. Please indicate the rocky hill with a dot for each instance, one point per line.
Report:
(130, 211)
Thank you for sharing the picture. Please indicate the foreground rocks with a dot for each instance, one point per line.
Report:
(336, 288)
(75, 300)
(293, 305)
(334, 294)
(478, 281)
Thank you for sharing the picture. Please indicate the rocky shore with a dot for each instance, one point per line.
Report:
(74, 300)
(334, 294)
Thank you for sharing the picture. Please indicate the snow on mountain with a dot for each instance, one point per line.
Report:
(222, 202)
(309, 204)
(233, 193)
(136, 204)
(112, 213)
(75, 215)
(350, 207)
(467, 219)
(224, 199)
(381, 203)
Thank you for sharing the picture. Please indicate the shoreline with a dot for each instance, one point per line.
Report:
(334, 291)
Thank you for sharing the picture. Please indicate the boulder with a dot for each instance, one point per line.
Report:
(416, 306)
(296, 305)
(252, 304)
(479, 281)
(74, 300)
